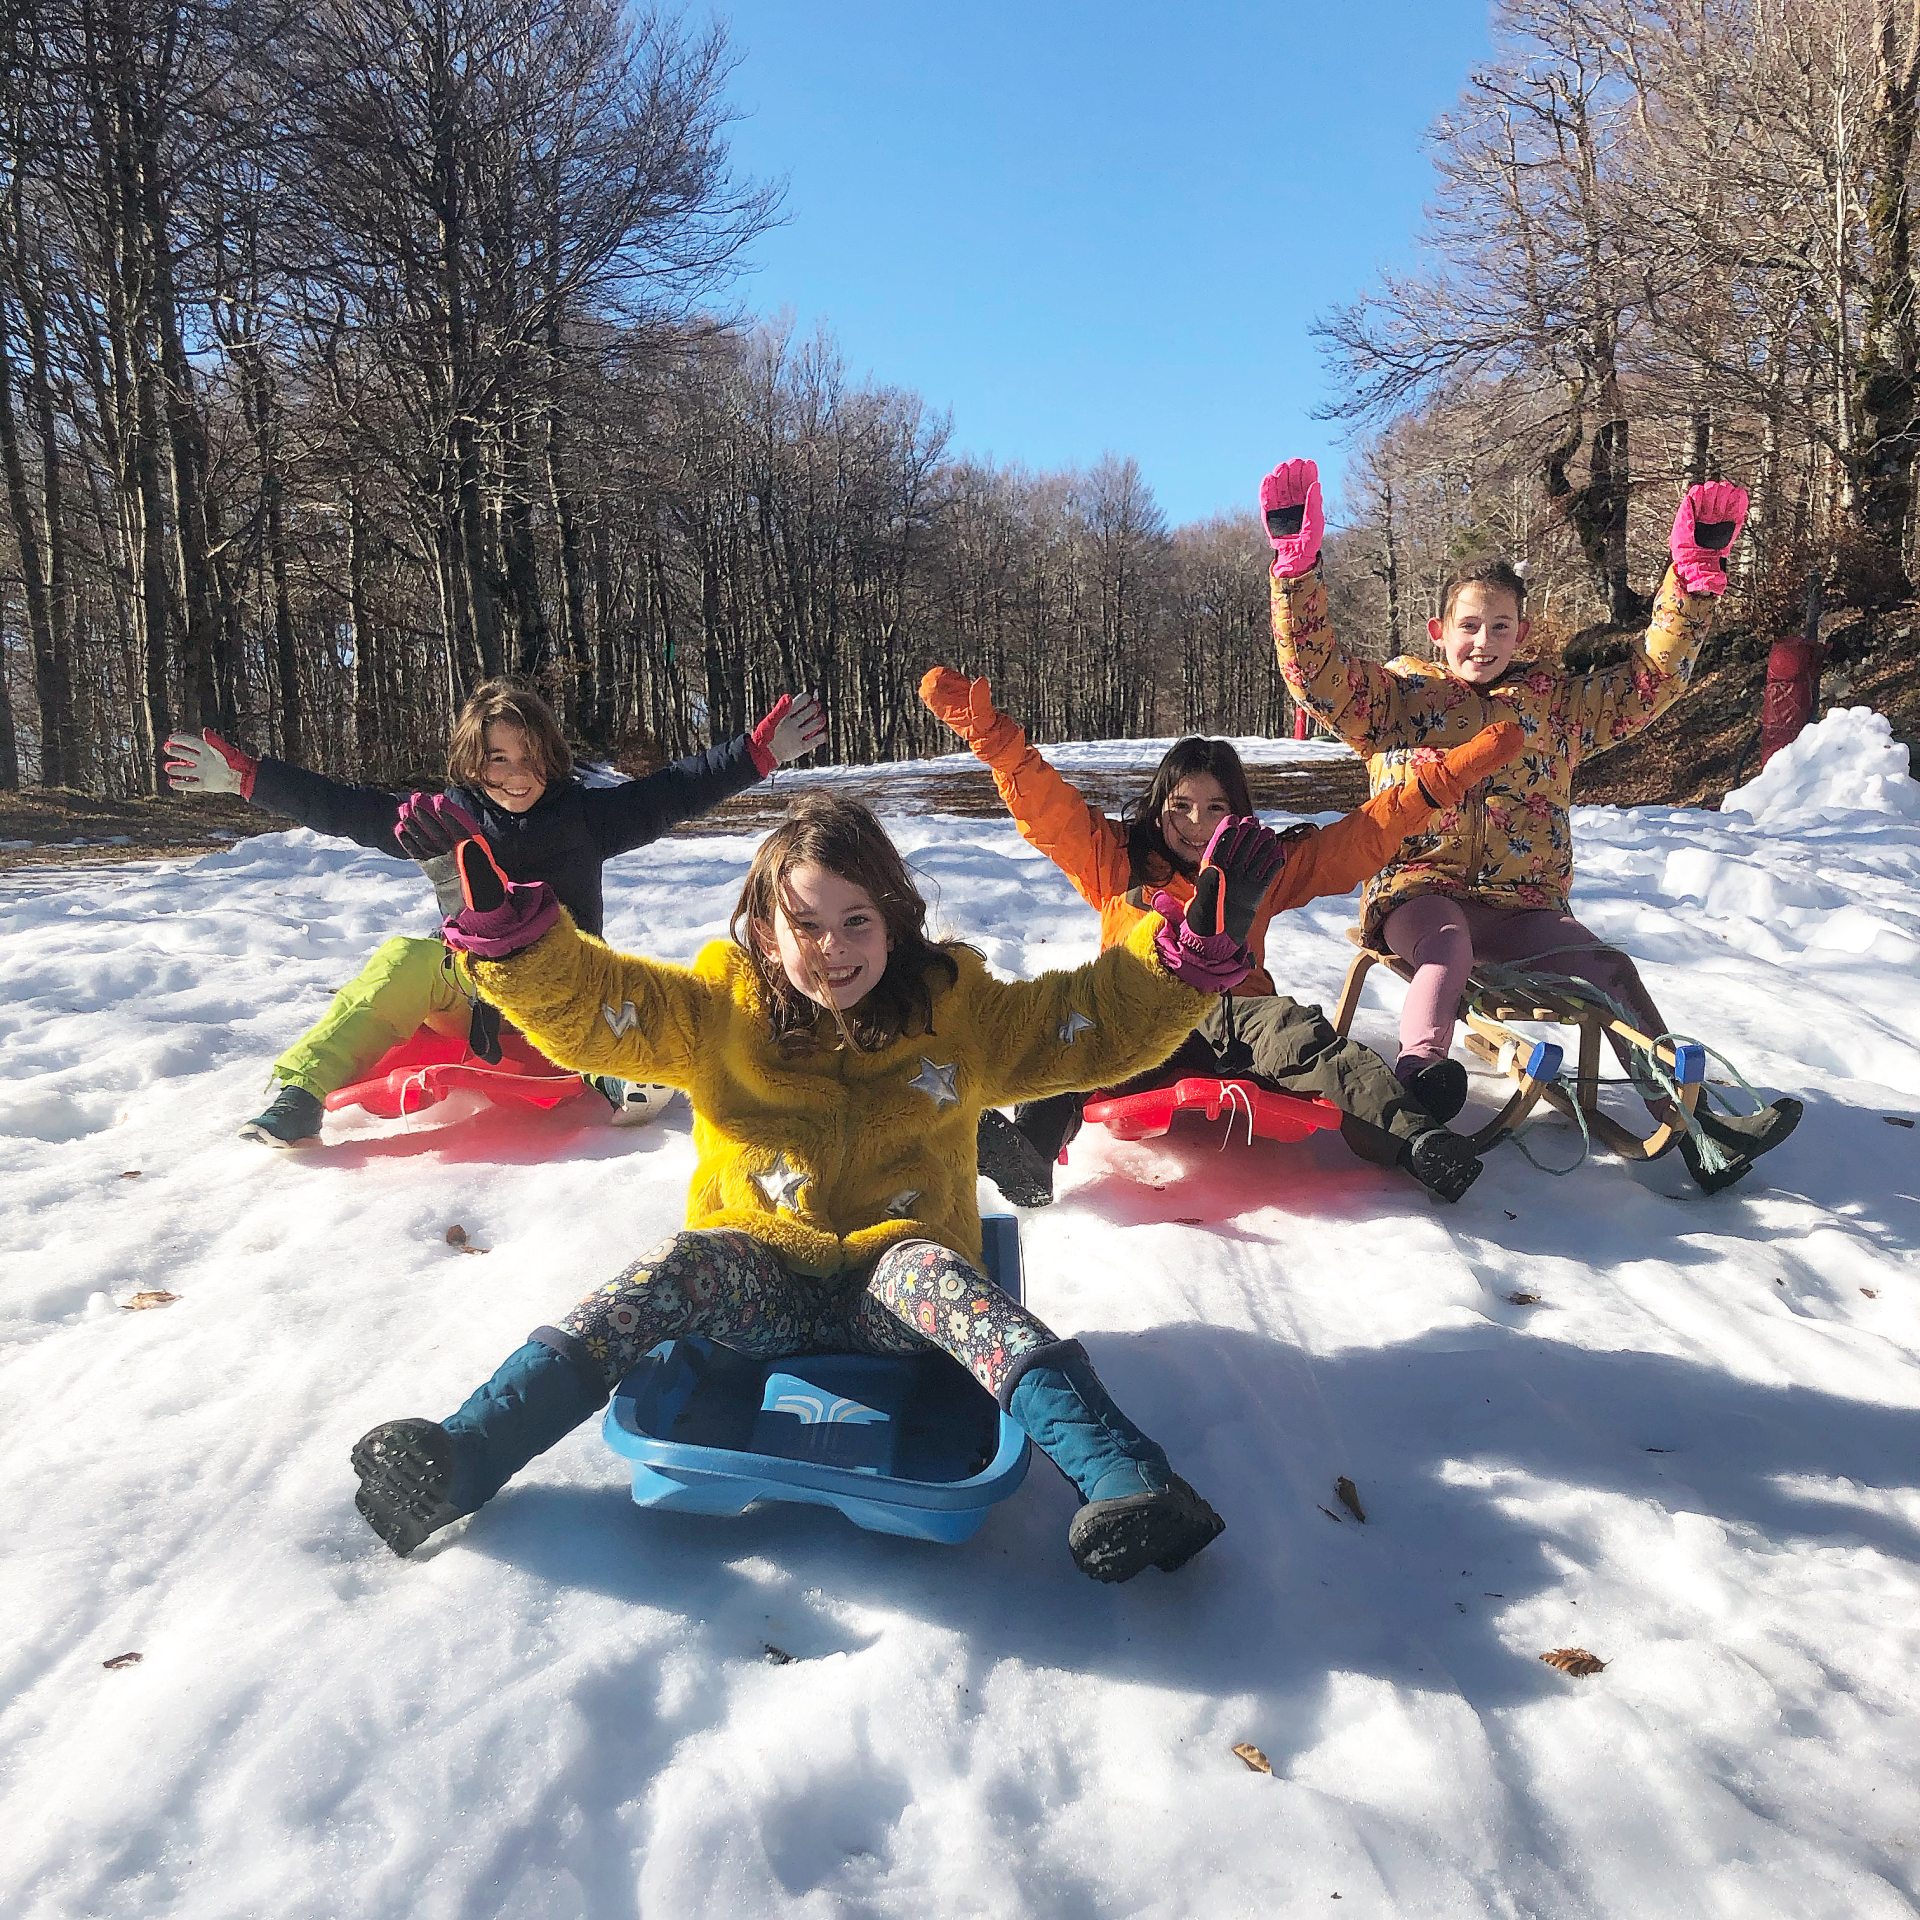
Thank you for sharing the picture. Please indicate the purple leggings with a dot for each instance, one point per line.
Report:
(1442, 938)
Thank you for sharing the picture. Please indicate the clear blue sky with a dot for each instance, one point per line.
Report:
(1095, 228)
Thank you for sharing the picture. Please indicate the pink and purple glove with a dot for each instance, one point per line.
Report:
(1205, 946)
(204, 763)
(1290, 505)
(500, 916)
(1708, 523)
(429, 825)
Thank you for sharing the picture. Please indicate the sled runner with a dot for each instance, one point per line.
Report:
(422, 1071)
(905, 1444)
(1494, 999)
(1267, 1115)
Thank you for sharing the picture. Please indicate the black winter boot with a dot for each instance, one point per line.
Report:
(1442, 1162)
(293, 1120)
(1019, 1155)
(1440, 1086)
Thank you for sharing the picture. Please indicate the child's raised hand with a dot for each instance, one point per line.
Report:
(500, 916)
(1290, 505)
(965, 705)
(1447, 780)
(1235, 873)
(1707, 525)
(430, 824)
(204, 763)
(794, 725)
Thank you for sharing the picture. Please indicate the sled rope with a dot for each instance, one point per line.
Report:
(1237, 1101)
(1649, 1077)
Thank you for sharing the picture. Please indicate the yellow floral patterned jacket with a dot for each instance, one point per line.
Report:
(1509, 843)
(830, 1155)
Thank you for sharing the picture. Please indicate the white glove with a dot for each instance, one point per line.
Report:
(204, 763)
(798, 726)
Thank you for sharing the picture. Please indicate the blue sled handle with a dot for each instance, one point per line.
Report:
(1690, 1063)
(1544, 1062)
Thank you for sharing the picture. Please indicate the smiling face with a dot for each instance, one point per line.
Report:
(512, 773)
(1481, 633)
(1195, 807)
(828, 935)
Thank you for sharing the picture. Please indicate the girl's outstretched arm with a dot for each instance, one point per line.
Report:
(205, 763)
(1051, 813)
(1336, 859)
(1604, 708)
(638, 812)
(1360, 701)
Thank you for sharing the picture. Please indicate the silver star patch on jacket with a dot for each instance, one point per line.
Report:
(936, 1081)
(898, 1203)
(1073, 1026)
(780, 1183)
(622, 1019)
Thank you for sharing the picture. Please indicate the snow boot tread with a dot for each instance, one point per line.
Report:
(405, 1469)
(1443, 1163)
(1112, 1540)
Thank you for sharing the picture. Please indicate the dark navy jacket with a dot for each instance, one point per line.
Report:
(563, 838)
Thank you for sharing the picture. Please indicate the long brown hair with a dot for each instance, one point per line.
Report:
(518, 705)
(842, 836)
(1148, 855)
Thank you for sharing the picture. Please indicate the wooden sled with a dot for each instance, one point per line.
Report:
(1534, 1066)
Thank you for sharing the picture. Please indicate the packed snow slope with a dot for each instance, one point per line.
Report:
(1695, 1455)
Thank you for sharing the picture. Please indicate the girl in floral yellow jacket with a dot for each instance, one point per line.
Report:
(837, 1062)
(1490, 878)
(1258, 1032)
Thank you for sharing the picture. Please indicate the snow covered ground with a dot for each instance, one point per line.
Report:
(1697, 1456)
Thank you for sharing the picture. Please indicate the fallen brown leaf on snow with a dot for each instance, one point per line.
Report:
(1574, 1660)
(152, 1297)
(457, 1237)
(1257, 1762)
(132, 1173)
(777, 1656)
(1872, 1293)
(1523, 1299)
(1897, 1120)
(123, 1660)
(1349, 1497)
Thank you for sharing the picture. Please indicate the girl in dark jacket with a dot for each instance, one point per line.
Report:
(510, 779)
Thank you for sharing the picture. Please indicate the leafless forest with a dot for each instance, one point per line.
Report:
(352, 351)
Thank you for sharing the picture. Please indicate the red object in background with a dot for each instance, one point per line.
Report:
(1302, 726)
(1793, 689)
(1264, 1113)
(422, 1071)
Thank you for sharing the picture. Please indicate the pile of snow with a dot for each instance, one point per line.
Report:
(1603, 1412)
(1848, 763)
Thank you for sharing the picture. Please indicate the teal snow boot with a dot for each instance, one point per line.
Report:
(417, 1476)
(1139, 1513)
(293, 1120)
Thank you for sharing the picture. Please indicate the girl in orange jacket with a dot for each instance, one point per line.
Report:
(1256, 1033)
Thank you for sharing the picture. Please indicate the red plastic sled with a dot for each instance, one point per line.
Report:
(422, 1071)
(1265, 1114)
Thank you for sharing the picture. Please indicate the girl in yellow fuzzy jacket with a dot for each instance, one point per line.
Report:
(1258, 1032)
(837, 1062)
(1490, 880)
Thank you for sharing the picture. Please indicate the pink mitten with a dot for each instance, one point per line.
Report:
(500, 917)
(1290, 505)
(1708, 523)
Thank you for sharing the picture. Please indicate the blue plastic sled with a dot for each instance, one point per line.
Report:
(906, 1445)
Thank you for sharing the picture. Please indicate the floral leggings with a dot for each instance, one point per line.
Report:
(738, 1292)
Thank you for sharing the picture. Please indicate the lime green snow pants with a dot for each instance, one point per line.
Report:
(406, 984)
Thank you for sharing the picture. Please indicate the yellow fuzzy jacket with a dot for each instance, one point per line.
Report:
(1510, 843)
(832, 1155)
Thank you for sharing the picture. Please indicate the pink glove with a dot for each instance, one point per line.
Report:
(1290, 505)
(1207, 962)
(429, 825)
(1708, 523)
(500, 917)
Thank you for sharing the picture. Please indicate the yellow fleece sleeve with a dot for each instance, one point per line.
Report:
(1082, 1028)
(586, 1007)
(1359, 699)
